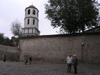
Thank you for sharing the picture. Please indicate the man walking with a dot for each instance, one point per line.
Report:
(69, 62)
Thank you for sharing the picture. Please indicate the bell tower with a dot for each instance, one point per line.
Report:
(31, 22)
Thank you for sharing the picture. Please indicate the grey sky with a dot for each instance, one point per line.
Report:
(10, 10)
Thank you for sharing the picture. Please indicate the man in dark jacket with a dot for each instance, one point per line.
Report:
(75, 63)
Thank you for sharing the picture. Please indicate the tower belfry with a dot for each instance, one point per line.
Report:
(31, 22)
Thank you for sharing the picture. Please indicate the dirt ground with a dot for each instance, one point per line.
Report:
(19, 68)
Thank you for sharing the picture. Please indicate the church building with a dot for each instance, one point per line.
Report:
(31, 22)
(55, 48)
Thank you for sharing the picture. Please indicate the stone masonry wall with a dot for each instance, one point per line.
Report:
(12, 53)
(55, 48)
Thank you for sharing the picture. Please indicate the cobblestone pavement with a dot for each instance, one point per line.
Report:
(19, 68)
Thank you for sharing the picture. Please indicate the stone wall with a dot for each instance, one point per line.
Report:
(12, 53)
(55, 48)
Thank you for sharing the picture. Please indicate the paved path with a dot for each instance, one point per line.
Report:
(18, 68)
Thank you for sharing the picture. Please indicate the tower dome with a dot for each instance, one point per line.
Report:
(31, 22)
(31, 6)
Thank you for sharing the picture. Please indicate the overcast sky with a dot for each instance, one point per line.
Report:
(10, 10)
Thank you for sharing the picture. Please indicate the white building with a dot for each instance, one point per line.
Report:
(31, 22)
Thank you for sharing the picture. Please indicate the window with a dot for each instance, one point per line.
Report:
(29, 11)
(33, 12)
(37, 13)
(33, 21)
(37, 23)
(28, 21)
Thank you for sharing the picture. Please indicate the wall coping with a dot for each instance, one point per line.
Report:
(60, 35)
(9, 46)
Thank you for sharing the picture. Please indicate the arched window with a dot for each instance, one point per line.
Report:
(29, 11)
(33, 21)
(28, 21)
(33, 12)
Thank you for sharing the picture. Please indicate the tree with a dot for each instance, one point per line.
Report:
(1, 38)
(5, 40)
(15, 41)
(16, 28)
(72, 15)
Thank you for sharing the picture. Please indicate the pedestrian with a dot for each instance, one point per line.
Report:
(30, 59)
(69, 63)
(26, 61)
(4, 59)
(75, 63)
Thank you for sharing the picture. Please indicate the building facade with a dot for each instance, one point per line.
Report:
(55, 48)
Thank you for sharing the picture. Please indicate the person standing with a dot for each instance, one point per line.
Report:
(75, 63)
(30, 59)
(26, 61)
(4, 59)
(69, 62)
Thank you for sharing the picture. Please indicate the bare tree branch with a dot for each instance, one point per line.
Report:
(16, 28)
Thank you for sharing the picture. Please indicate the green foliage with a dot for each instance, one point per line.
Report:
(5, 41)
(1, 38)
(15, 41)
(72, 15)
